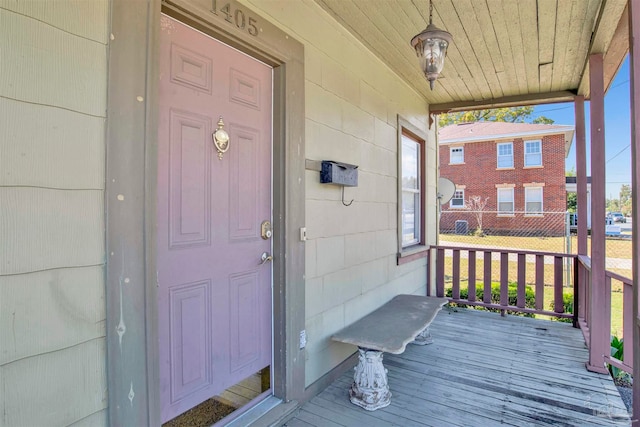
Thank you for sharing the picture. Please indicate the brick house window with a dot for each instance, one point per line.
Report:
(532, 153)
(411, 173)
(505, 155)
(456, 155)
(505, 201)
(533, 200)
(457, 202)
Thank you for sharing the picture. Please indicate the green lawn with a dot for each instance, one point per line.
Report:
(615, 248)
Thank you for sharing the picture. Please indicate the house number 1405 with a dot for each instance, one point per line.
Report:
(237, 17)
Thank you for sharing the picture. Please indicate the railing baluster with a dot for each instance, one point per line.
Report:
(582, 289)
(456, 274)
(577, 292)
(522, 266)
(472, 276)
(587, 300)
(504, 303)
(504, 280)
(440, 273)
(558, 279)
(429, 272)
(486, 297)
(607, 308)
(627, 323)
(627, 318)
(539, 282)
(587, 305)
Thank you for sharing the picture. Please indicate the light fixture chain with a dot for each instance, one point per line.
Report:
(430, 12)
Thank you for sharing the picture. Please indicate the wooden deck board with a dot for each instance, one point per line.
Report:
(489, 403)
(242, 393)
(496, 361)
(498, 372)
(486, 370)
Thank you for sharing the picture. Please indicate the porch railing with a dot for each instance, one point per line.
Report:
(529, 268)
(601, 346)
(501, 258)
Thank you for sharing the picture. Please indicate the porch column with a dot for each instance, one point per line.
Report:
(581, 174)
(634, 62)
(599, 346)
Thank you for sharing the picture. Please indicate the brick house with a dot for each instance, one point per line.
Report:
(518, 168)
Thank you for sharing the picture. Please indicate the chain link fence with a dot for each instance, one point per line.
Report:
(546, 232)
(549, 232)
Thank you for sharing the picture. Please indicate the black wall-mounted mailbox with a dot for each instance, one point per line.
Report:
(339, 173)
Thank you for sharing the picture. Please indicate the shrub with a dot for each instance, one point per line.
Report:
(567, 303)
(529, 294)
(617, 351)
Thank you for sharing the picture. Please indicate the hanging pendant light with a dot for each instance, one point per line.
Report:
(431, 47)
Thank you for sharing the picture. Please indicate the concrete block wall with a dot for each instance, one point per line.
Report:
(479, 175)
(352, 104)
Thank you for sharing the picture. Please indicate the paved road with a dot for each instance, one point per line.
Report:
(625, 228)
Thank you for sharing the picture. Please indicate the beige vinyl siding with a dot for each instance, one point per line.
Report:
(53, 77)
(352, 103)
(97, 419)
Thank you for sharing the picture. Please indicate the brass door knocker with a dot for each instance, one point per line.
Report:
(221, 139)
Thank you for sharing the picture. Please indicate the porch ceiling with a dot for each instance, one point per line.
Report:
(504, 52)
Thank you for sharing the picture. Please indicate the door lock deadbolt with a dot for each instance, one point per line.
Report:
(266, 230)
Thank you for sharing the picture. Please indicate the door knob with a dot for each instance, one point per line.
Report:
(266, 257)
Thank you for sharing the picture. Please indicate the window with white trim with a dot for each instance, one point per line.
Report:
(505, 155)
(505, 201)
(533, 153)
(533, 200)
(411, 218)
(457, 201)
(456, 155)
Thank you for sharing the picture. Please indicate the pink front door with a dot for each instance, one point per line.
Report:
(214, 297)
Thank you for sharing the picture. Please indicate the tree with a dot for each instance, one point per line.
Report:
(622, 203)
(572, 202)
(572, 198)
(476, 205)
(625, 199)
(613, 205)
(625, 193)
(508, 114)
(542, 120)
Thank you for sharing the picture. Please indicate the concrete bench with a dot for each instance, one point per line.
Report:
(403, 320)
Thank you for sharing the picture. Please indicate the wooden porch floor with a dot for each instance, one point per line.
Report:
(482, 370)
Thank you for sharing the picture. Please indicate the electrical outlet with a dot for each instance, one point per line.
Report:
(303, 339)
(303, 234)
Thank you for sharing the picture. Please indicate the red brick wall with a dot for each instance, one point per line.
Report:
(480, 176)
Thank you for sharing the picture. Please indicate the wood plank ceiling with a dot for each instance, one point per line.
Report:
(504, 52)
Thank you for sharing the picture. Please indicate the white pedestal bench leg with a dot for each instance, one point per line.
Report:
(423, 337)
(370, 389)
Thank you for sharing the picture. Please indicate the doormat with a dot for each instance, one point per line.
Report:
(204, 415)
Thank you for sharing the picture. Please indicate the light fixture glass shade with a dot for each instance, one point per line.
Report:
(431, 47)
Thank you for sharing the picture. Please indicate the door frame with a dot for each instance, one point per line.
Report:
(130, 196)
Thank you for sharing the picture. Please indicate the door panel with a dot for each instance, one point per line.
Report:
(245, 320)
(190, 183)
(189, 342)
(244, 198)
(214, 296)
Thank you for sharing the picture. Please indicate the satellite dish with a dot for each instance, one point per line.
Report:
(446, 189)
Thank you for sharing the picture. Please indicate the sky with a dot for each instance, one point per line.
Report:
(617, 128)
